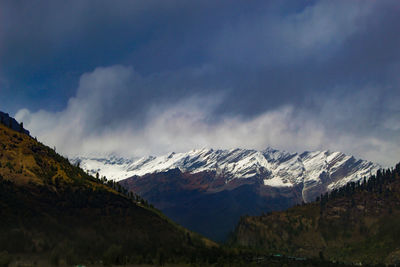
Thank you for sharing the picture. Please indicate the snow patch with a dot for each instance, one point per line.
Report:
(277, 182)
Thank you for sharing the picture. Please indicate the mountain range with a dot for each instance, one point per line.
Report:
(208, 190)
(54, 212)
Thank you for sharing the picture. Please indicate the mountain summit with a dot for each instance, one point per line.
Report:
(11, 123)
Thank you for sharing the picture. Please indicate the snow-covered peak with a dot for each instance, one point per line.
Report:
(113, 167)
(275, 168)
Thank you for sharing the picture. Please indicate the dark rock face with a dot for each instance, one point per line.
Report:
(208, 205)
(12, 123)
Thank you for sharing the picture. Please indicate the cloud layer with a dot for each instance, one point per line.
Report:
(148, 77)
(103, 121)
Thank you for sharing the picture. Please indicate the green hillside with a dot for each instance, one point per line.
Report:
(359, 223)
(51, 208)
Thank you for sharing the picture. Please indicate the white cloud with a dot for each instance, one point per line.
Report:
(189, 123)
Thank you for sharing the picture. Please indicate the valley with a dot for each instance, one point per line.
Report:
(184, 133)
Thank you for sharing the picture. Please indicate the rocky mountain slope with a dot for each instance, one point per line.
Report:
(208, 190)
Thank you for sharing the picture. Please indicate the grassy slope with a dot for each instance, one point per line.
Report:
(363, 226)
(49, 206)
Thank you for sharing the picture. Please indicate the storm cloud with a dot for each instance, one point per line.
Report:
(148, 77)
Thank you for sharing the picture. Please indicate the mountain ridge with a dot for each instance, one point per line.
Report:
(12, 123)
(273, 167)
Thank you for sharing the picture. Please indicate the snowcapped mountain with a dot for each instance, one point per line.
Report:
(114, 168)
(208, 190)
(275, 168)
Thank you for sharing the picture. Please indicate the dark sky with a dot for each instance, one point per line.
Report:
(135, 78)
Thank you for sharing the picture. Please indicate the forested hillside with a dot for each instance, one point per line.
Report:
(358, 223)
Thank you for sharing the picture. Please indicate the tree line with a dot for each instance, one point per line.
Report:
(374, 184)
